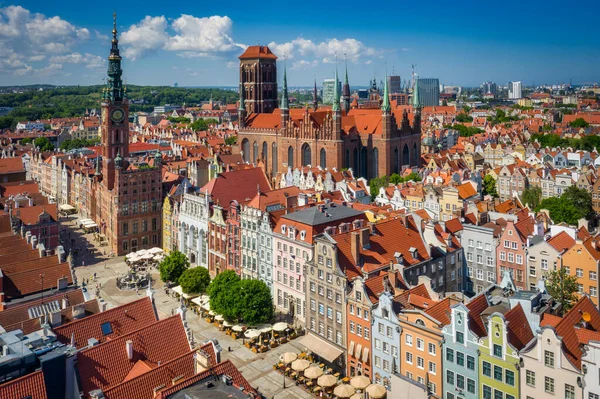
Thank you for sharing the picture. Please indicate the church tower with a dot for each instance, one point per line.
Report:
(386, 113)
(258, 72)
(346, 92)
(115, 113)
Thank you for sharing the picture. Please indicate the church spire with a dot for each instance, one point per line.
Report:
(242, 105)
(114, 84)
(416, 101)
(285, 102)
(336, 92)
(385, 105)
(346, 91)
(315, 97)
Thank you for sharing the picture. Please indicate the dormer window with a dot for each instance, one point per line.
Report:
(283, 229)
(302, 235)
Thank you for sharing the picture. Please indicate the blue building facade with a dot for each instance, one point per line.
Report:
(386, 341)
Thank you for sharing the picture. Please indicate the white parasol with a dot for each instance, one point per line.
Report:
(281, 326)
(252, 333)
(237, 328)
(219, 318)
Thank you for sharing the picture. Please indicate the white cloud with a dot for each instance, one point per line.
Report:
(32, 37)
(89, 60)
(192, 36)
(232, 64)
(144, 38)
(304, 64)
(354, 50)
(100, 35)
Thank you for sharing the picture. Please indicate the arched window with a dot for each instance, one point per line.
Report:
(413, 158)
(355, 164)
(274, 158)
(375, 171)
(265, 153)
(291, 157)
(396, 167)
(306, 155)
(246, 150)
(405, 155)
(255, 152)
(363, 162)
(347, 159)
(323, 157)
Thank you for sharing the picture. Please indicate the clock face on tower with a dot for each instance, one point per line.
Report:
(117, 115)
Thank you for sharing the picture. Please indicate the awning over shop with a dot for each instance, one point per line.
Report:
(320, 347)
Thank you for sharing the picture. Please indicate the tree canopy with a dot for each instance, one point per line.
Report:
(489, 186)
(562, 287)
(579, 123)
(574, 204)
(173, 266)
(464, 131)
(43, 143)
(202, 124)
(586, 143)
(235, 299)
(194, 280)
(78, 143)
(376, 183)
(462, 117)
(532, 196)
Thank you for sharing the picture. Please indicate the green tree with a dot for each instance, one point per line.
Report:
(26, 140)
(173, 266)
(580, 198)
(223, 291)
(194, 280)
(562, 287)
(44, 144)
(532, 196)
(567, 208)
(254, 302)
(462, 117)
(489, 186)
(231, 140)
(579, 123)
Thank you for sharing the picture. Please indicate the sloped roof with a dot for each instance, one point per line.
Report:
(441, 311)
(240, 185)
(566, 329)
(561, 241)
(122, 320)
(107, 364)
(11, 165)
(254, 52)
(29, 386)
(477, 305)
(519, 331)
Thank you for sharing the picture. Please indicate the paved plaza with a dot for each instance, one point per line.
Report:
(94, 267)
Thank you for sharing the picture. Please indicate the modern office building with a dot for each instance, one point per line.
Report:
(429, 92)
(395, 84)
(328, 91)
(489, 87)
(514, 90)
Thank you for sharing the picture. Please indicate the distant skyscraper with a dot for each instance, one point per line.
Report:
(328, 89)
(395, 84)
(489, 87)
(175, 84)
(514, 90)
(429, 92)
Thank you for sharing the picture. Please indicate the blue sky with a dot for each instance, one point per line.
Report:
(197, 43)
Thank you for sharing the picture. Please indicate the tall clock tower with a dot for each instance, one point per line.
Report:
(115, 115)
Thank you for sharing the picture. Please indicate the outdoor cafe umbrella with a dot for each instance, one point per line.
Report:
(206, 306)
(376, 391)
(313, 372)
(358, 396)
(155, 250)
(300, 364)
(237, 328)
(252, 333)
(264, 328)
(360, 382)
(147, 256)
(288, 357)
(211, 313)
(227, 324)
(344, 391)
(281, 326)
(219, 318)
(204, 298)
(326, 381)
(130, 255)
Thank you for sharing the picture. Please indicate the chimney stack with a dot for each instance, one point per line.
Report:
(33, 242)
(355, 246)
(129, 348)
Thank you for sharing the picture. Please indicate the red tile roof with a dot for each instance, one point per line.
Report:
(11, 165)
(21, 187)
(142, 385)
(441, 311)
(106, 365)
(561, 241)
(254, 52)
(239, 185)
(550, 320)
(223, 368)
(477, 305)
(123, 319)
(567, 328)
(31, 215)
(519, 331)
(29, 386)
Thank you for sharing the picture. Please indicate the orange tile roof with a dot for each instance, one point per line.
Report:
(30, 215)
(441, 311)
(11, 165)
(239, 185)
(254, 52)
(223, 368)
(477, 305)
(29, 386)
(123, 319)
(561, 241)
(519, 331)
(21, 187)
(107, 364)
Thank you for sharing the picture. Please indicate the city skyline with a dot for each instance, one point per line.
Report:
(193, 46)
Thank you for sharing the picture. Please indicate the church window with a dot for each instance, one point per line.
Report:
(323, 156)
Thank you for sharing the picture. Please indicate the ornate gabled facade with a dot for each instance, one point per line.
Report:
(373, 142)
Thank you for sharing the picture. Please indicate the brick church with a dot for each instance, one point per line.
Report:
(372, 141)
(127, 191)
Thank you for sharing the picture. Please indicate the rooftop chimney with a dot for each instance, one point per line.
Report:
(33, 242)
(365, 242)
(355, 246)
(129, 348)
